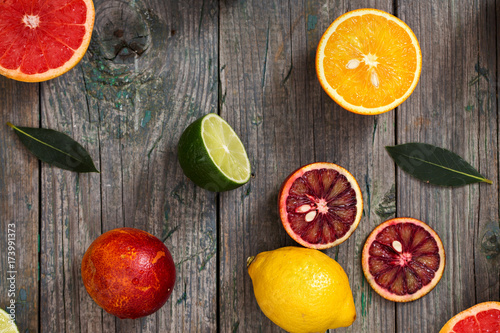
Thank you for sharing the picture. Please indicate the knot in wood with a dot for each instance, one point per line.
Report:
(123, 33)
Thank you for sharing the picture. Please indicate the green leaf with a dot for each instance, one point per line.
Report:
(55, 148)
(434, 165)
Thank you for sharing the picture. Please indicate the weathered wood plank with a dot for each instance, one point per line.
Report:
(267, 68)
(357, 143)
(486, 229)
(446, 111)
(150, 70)
(71, 211)
(255, 59)
(19, 204)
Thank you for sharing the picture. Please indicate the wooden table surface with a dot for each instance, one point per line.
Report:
(153, 67)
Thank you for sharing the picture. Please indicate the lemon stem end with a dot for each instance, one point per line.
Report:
(250, 260)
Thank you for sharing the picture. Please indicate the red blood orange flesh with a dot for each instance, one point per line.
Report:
(128, 272)
(403, 259)
(42, 39)
(482, 317)
(320, 205)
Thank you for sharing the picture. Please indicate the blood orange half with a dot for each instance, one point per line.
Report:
(42, 39)
(482, 317)
(403, 259)
(320, 205)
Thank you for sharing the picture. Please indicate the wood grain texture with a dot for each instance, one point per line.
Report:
(154, 66)
(447, 110)
(255, 60)
(486, 229)
(19, 204)
(150, 70)
(70, 212)
(358, 143)
(290, 122)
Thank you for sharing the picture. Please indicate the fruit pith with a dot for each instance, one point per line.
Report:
(128, 272)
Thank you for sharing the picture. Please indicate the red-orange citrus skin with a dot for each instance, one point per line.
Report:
(482, 317)
(128, 272)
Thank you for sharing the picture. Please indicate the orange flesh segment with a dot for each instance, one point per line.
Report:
(386, 56)
(321, 206)
(484, 321)
(404, 258)
(40, 35)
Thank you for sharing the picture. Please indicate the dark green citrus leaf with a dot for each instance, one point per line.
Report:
(55, 148)
(434, 165)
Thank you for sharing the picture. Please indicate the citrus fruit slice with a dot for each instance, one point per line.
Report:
(40, 39)
(6, 325)
(302, 290)
(368, 61)
(212, 155)
(320, 205)
(403, 259)
(482, 317)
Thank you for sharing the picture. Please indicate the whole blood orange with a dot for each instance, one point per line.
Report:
(128, 272)
(368, 61)
(320, 205)
(40, 39)
(403, 259)
(482, 317)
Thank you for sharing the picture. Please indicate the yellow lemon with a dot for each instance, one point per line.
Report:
(302, 290)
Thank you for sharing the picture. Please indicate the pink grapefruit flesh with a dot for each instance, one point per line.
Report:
(481, 318)
(42, 39)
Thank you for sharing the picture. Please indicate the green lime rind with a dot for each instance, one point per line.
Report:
(198, 165)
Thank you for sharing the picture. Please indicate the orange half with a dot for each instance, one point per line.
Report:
(40, 39)
(368, 61)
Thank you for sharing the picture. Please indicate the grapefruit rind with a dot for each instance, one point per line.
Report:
(52, 73)
(287, 184)
(472, 311)
(371, 279)
(320, 56)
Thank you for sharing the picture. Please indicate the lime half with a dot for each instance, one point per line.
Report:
(212, 156)
(6, 326)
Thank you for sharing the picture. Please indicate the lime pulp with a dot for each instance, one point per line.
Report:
(212, 155)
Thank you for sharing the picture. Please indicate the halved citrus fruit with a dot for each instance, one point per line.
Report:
(212, 156)
(482, 317)
(368, 61)
(403, 259)
(320, 205)
(7, 325)
(40, 39)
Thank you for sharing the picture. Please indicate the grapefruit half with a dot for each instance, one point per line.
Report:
(40, 39)
(482, 317)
